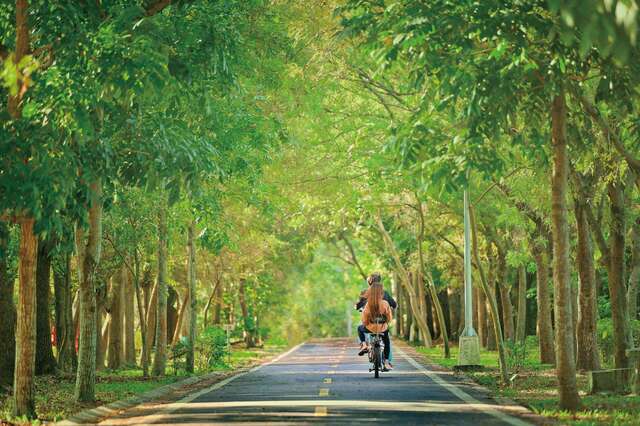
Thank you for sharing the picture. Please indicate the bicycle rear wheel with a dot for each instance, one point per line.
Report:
(377, 362)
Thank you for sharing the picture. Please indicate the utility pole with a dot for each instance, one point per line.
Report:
(469, 344)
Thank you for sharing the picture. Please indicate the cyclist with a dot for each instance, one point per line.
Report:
(375, 278)
(375, 309)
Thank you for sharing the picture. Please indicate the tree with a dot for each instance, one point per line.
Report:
(160, 359)
(7, 309)
(89, 249)
(45, 362)
(565, 357)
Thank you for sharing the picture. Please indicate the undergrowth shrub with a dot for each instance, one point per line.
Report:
(605, 337)
(211, 348)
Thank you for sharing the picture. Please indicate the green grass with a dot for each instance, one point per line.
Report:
(54, 394)
(536, 386)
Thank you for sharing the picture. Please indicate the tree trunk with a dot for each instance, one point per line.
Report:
(160, 360)
(481, 310)
(129, 321)
(102, 327)
(443, 297)
(116, 312)
(76, 324)
(425, 306)
(634, 274)
(151, 323)
(490, 295)
(413, 332)
(491, 345)
(414, 303)
(207, 307)
(24, 371)
(102, 342)
(248, 328)
(565, 357)
(173, 304)
(454, 312)
(442, 325)
(505, 297)
(409, 316)
(65, 332)
(587, 357)
(617, 290)
(432, 288)
(522, 305)
(45, 362)
(400, 309)
(144, 307)
(178, 326)
(24, 365)
(475, 294)
(545, 326)
(7, 312)
(88, 259)
(217, 312)
(193, 298)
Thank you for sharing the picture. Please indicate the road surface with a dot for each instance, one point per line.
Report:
(325, 382)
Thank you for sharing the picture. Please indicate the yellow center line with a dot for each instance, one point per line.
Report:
(334, 366)
(320, 412)
(324, 392)
(331, 372)
(328, 380)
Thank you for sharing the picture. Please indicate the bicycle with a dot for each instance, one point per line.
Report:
(376, 354)
(376, 350)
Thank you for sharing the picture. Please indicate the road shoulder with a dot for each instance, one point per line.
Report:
(156, 399)
(503, 405)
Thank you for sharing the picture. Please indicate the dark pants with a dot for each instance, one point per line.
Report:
(385, 338)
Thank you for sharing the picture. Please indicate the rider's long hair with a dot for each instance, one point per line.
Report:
(374, 301)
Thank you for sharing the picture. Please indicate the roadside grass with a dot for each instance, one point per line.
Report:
(535, 386)
(54, 393)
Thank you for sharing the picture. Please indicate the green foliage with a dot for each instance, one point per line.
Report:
(211, 348)
(605, 337)
(611, 26)
(516, 354)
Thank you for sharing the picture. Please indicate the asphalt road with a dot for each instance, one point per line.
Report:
(325, 382)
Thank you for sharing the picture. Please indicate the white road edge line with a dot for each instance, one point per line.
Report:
(462, 395)
(170, 408)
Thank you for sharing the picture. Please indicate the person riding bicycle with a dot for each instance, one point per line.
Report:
(376, 317)
(375, 278)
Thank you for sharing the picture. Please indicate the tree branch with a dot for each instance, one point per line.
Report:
(352, 253)
(525, 209)
(609, 134)
(156, 7)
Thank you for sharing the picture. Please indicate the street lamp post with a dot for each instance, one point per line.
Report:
(469, 344)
